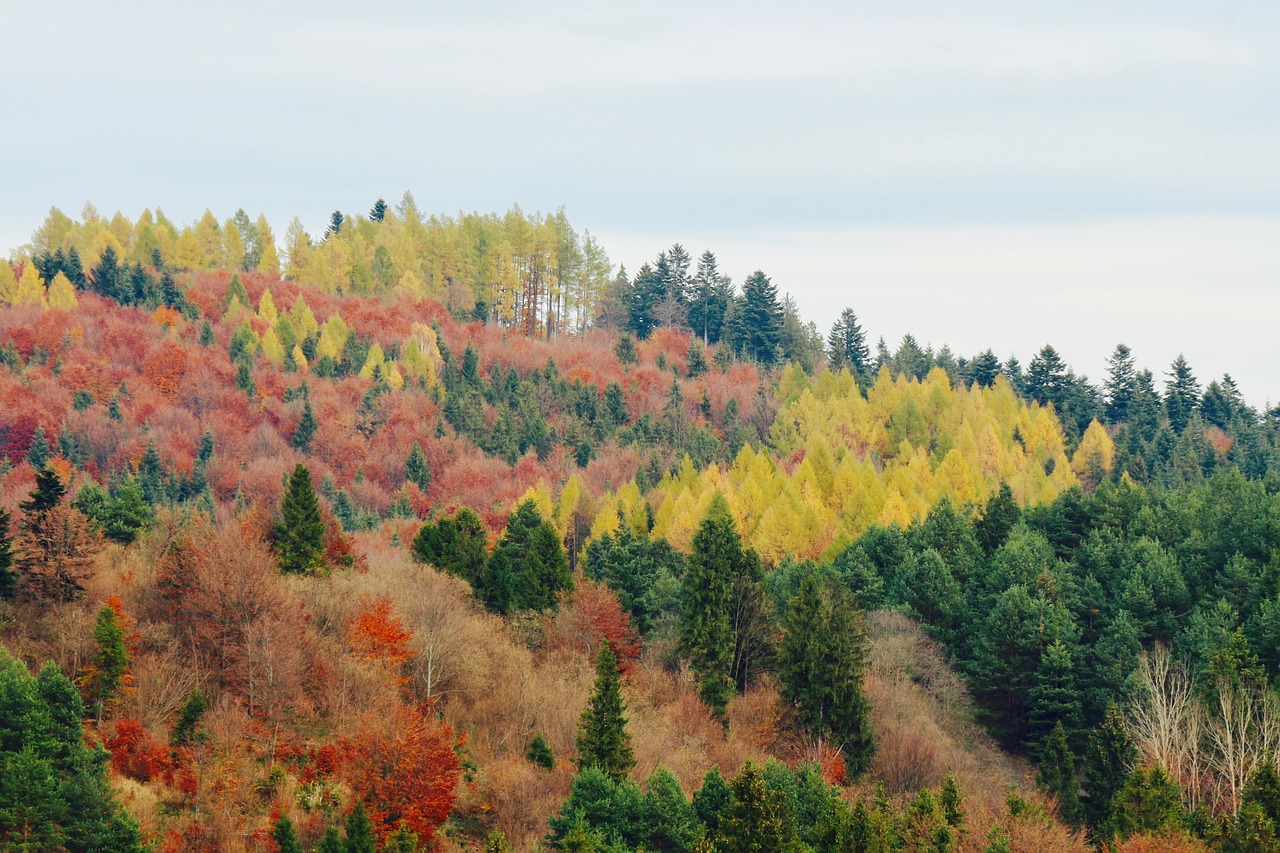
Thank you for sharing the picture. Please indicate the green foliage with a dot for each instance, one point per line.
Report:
(706, 629)
(401, 841)
(8, 580)
(39, 453)
(53, 789)
(458, 545)
(638, 569)
(603, 740)
(539, 753)
(110, 660)
(531, 568)
(1056, 774)
(184, 730)
(820, 665)
(359, 831)
(1108, 759)
(285, 838)
(299, 535)
(1148, 802)
(753, 821)
(415, 468)
(306, 429)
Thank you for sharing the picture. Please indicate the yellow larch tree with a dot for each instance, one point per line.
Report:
(62, 294)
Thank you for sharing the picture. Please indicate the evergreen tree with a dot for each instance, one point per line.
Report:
(359, 831)
(761, 320)
(378, 212)
(753, 822)
(709, 299)
(1108, 759)
(1121, 385)
(457, 545)
(532, 570)
(603, 740)
(415, 468)
(306, 429)
(336, 220)
(8, 580)
(127, 513)
(847, 346)
(539, 753)
(109, 662)
(1047, 380)
(39, 453)
(401, 841)
(299, 535)
(984, 369)
(184, 731)
(1181, 394)
(151, 474)
(1148, 802)
(1056, 774)
(706, 632)
(710, 801)
(106, 278)
(285, 838)
(331, 842)
(1054, 699)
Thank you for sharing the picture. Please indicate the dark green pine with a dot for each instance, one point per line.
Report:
(603, 741)
(300, 532)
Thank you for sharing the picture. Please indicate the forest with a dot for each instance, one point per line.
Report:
(441, 532)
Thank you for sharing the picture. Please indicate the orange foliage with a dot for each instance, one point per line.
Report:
(165, 366)
(377, 634)
(135, 753)
(591, 616)
(404, 768)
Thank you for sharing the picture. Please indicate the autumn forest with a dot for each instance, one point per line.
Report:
(447, 533)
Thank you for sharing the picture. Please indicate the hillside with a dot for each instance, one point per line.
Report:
(342, 539)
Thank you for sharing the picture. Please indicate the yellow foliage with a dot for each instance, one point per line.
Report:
(392, 376)
(541, 500)
(332, 337)
(1096, 454)
(299, 357)
(62, 294)
(304, 322)
(372, 361)
(29, 289)
(272, 348)
(267, 307)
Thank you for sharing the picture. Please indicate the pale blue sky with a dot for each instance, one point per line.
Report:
(988, 173)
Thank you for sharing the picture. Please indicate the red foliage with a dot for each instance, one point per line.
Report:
(377, 634)
(591, 616)
(135, 754)
(404, 768)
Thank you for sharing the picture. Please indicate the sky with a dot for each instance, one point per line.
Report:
(987, 174)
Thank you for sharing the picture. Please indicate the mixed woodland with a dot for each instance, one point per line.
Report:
(445, 533)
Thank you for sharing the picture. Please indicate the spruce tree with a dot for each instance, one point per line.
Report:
(535, 560)
(39, 453)
(109, 662)
(401, 841)
(1148, 802)
(285, 838)
(359, 831)
(1181, 394)
(378, 212)
(847, 346)
(415, 468)
(127, 513)
(1056, 774)
(1108, 759)
(151, 474)
(539, 753)
(753, 821)
(984, 369)
(706, 632)
(1121, 385)
(759, 319)
(299, 535)
(331, 842)
(306, 429)
(184, 730)
(603, 740)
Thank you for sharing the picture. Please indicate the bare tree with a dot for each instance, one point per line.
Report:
(1167, 720)
(1243, 729)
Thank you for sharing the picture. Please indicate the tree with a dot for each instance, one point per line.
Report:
(1047, 380)
(457, 545)
(760, 319)
(299, 535)
(984, 369)
(1108, 758)
(56, 544)
(306, 429)
(706, 632)
(603, 740)
(1148, 802)
(39, 454)
(847, 346)
(821, 663)
(1056, 774)
(1121, 385)
(110, 661)
(359, 831)
(539, 753)
(532, 558)
(378, 212)
(1181, 394)
(285, 838)
(8, 580)
(753, 822)
(415, 468)
(710, 294)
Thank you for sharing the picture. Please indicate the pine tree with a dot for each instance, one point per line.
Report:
(299, 535)
(1148, 802)
(331, 842)
(1056, 774)
(109, 662)
(378, 212)
(984, 369)
(285, 838)
(706, 632)
(415, 468)
(306, 429)
(1046, 380)
(336, 219)
(603, 740)
(710, 294)
(105, 280)
(1054, 699)
(532, 561)
(401, 841)
(184, 731)
(128, 513)
(151, 474)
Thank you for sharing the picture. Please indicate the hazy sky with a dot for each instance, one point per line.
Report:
(999, 174)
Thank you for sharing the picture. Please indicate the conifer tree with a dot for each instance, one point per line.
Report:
(534, 562)
(603, 740)
(184, 731)
(378, 212)
(284, 836)
(359, 831)
(760, 319)
(401, 841)
(151, 474)
(415, 468)
(1057, 775)
(8, 580)
(1121, 384)
(847, 346)
(706, 632)
(1181, 394)
(1148, 802)
(306, 429)
(753, 821)
(299, 535)
(331, 842)
(110, 660)
(39, 454)
(539, 753)
(1108, 758)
